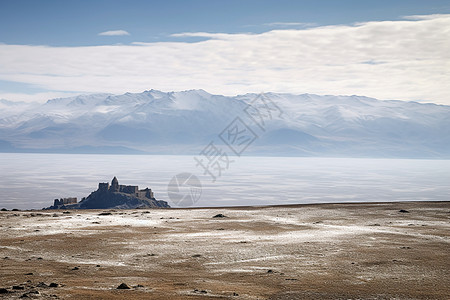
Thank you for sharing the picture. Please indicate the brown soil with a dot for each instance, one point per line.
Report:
(327, 251)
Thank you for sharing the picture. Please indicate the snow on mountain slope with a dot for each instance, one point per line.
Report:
(185, 122)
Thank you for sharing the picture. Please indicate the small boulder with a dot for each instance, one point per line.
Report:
(123, 286)
(219, 216)
(4, 291)
(105, 214)
(18, 287)
(42, 285)
(403, 211)
(53, 285)
(30, 294)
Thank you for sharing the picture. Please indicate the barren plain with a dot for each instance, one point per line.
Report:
(395, 250)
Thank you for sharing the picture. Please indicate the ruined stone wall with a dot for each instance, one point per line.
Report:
(64, 201)
(128, 189)
(103, 186)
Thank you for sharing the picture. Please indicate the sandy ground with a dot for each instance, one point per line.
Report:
(328, 251)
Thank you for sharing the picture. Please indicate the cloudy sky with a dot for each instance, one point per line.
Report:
(384, 49)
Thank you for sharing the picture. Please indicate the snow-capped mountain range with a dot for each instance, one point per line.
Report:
(186, 122)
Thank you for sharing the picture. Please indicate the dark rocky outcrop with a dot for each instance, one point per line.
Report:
(113, 196)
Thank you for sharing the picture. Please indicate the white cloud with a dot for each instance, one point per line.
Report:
(406, 60)
(424, 17)
(114, 32)
(290, 24)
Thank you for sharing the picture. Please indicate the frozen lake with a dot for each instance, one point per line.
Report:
(34, 180)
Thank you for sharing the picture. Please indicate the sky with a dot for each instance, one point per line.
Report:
(383, 49)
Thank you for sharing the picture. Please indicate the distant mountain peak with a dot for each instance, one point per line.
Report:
(184, 122)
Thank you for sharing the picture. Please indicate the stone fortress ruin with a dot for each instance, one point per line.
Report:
(113, 195)
(127, 189)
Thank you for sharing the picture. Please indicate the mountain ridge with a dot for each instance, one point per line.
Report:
(186, 122)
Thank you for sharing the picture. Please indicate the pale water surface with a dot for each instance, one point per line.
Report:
(34, 180)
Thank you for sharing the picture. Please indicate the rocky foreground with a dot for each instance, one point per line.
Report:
(338, 251)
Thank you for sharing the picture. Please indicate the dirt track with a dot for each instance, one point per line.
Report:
(339, 251)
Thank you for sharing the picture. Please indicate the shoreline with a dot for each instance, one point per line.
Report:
(243, 206)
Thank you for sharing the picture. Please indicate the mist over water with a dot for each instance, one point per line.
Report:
(32, 181)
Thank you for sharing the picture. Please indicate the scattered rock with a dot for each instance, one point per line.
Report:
(76, 268)
(30, 293)
(29, 273)
(405, 247)
(220, 216)
(235, 294)
(66, 212)
(18, 287)
(54, 285)
(403, 211)
(269, 271)
(123, 286)
(196, 255)
(42, 285)
(4, 291)
(105, 214)
(98, 266)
